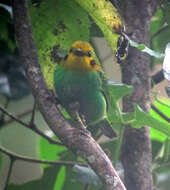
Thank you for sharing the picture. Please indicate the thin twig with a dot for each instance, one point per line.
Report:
(35, 129)
(16, 156)
(12, 160)
(160, 113)
(10, 120)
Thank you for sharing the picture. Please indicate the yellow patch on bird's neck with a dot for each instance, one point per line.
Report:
(80, 58)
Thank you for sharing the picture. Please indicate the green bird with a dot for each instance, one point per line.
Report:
(79, 79)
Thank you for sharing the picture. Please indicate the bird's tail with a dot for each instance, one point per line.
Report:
(107, 129)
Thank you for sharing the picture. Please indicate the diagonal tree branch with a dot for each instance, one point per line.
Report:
(79, 141)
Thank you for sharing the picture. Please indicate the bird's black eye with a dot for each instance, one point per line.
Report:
(71, 50)
(89, 54)
(92, 62)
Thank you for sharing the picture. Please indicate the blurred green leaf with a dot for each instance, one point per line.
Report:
(156, 146)
(106, 17)
(118, 90)
(155, 134)
(145, 119)
(69, 183)
(109, 147)
(47, 181)
(0, 160)
(48, 151)
(157, 21)
(60, 179)
(159, 30)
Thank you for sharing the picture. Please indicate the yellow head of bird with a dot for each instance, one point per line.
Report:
(81, 58)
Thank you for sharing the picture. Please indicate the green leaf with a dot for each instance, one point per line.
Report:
(144, 48)
(69, 183)
(157, 21)
(141, 47)
(143, 119)
(165, 109)
(106, 17)
(0, 160)
(60, 179)
(47, 181)
(109, 147)
(48, 151)
(65, 22)
(118, 90)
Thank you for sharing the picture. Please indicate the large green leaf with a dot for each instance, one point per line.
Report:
(60, 179)
(0, 160)
(56, 25)
(159, 31)
(106, 17)
(69, 183)
(164, 107)
(46, 182)
(157, 21)
(142, 119)
(116, 92)
(48, 151)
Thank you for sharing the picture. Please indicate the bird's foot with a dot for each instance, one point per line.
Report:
(74, 112)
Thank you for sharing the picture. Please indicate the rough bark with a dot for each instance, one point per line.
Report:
(136, 155)
(79, 141)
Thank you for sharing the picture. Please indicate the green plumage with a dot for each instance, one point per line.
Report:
(83, 87)
(86, 88)
(79, 79)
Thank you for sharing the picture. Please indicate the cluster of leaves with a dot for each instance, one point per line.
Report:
(55, 26)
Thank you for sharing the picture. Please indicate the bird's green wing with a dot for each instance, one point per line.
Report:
(104, 88)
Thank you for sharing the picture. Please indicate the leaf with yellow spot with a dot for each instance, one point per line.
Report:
(106, 17)
(56, 25)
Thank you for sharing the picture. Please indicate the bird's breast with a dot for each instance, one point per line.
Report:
(83, 88)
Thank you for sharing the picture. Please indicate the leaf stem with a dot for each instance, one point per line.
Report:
(118, 145)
